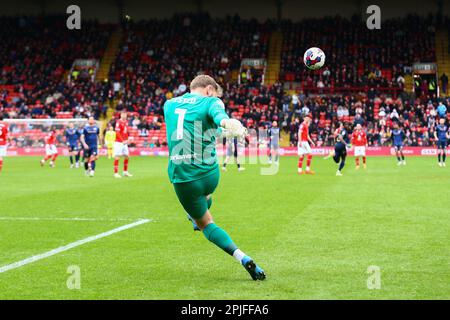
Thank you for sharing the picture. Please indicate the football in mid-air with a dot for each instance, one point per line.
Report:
(314, 58)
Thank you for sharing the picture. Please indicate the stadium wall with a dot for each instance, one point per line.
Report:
(107, 10)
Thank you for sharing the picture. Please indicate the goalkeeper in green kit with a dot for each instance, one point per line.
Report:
(193, 122)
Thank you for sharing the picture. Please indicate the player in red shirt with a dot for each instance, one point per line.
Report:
(359, 141)
(304, 148)
(51, 152)
(121, 146)
(3, 140)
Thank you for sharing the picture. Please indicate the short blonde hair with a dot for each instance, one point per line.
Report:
(202, 81)
(219, 91)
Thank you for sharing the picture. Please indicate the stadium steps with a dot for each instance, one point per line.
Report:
(290, 92)
(111, 51)
(274, 58)
(284, 139)
(109, 115)
(66, 75)
(234, 75)
(442, 55)
(409, 86)
(110, 54)
(110, 112)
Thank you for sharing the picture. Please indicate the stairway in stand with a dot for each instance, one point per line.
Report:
(442, 56)
(111, 51)
(409, 86)
(274, 58)
(110, 54)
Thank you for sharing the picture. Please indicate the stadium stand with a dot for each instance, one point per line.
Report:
(363, 81)
(359, 58)
(34, 67)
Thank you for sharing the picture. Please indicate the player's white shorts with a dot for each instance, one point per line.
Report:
(120, 149)
(2, 151)
(50, 149)
(360, 151)
(303, 148)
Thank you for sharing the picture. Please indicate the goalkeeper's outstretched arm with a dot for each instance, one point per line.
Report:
(233, 127)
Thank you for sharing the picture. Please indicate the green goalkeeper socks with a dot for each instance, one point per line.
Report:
(220, 238)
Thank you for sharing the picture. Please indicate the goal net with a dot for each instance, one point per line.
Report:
(27, 136)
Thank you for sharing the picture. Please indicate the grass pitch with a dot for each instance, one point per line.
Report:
(315, 236)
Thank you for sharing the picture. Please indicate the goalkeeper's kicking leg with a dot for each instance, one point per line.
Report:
(194, 224)
(195, 196)
(220, 238)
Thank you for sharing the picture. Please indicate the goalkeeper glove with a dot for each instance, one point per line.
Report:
(233, 128)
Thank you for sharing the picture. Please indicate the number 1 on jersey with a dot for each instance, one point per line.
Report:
(180, 123)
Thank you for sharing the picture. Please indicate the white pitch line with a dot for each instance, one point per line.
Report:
(69, 246)
(62, 219)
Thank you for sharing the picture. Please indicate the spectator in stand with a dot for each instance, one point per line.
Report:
(442, 110)
(444, 82)
(157, 58)
(358, 120)
(34, 56)
(357, 58)
(394, 115)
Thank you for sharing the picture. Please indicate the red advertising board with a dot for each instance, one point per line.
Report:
(289, 151)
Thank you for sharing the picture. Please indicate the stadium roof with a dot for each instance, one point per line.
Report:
(109, 10)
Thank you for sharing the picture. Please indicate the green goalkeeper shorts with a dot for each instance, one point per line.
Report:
(192, 194)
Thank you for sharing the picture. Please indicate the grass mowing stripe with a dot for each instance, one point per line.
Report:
(63, 219)
(315, 236)
(69, 246)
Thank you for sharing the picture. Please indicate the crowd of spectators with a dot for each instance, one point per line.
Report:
(158, 58)
(55, 99)
(354, 56)
(36, 54)
(418, 118)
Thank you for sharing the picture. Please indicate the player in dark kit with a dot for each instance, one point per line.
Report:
(274, 135)
(89, 140)
(398, 139)
(442, 134)
(340, 148)
(80, 152)
(231, 151)
(73, 142)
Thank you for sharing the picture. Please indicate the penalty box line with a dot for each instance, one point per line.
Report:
(69, 246)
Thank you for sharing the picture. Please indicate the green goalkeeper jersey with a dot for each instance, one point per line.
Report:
(192, 123)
